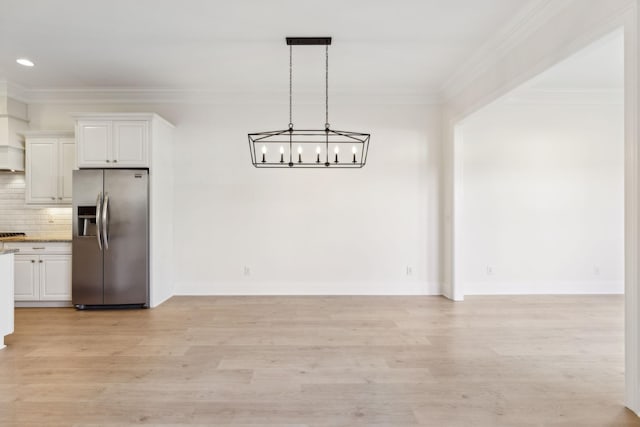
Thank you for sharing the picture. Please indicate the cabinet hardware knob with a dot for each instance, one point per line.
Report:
(36, 248)
(108, 161)
(59, 198)
(33, 261)
(53, 198)
(115, 161)
(40, 261)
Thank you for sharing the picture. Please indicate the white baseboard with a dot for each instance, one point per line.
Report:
(155, 304)
(538, 288)
(41, 304)
(307, 288)
(448, 293)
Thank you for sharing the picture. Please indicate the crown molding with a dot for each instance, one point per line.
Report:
(173, 96)
(47, 134)
(120, 116)
(564, 97)
(527, 21)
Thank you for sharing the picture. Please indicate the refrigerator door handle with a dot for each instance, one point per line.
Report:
(105, 221)
(98, 222)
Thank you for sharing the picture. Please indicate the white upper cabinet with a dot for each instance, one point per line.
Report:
(131, 143)
(95, 149)
(41, 170)
(50, 160)
(113, 140)
(67, 163)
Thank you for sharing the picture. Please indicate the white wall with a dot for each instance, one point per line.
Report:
(543, 199)
(298, 231)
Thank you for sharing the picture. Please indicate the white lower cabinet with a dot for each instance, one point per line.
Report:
(55, 277)
(42, 272)
(25, 278)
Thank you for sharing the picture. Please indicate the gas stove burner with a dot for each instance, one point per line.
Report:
(11, 234)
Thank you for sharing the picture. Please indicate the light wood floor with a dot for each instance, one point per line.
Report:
(321, 361)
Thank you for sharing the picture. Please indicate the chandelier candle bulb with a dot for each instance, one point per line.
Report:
(299, 153)
(318, 154)
(281, 154)
(336, 150)
(354, 150)
(264, 152)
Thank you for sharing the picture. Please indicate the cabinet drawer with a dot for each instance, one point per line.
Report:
(29, 248)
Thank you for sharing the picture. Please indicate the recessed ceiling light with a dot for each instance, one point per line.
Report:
(26, 62)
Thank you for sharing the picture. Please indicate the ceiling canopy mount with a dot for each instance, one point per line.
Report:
(308, 41)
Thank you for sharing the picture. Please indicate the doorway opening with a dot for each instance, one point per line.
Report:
(540, 208)
(542, 182)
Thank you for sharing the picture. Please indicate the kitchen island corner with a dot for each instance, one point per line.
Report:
(6, 294)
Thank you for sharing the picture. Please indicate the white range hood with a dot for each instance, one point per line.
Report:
(14, 120)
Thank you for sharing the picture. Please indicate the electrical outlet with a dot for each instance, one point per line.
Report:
(247, 271)
(489, 270)
(409, 270)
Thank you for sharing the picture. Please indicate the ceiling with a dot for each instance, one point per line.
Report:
(237, 46)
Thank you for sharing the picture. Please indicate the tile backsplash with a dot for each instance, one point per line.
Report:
(35, 221)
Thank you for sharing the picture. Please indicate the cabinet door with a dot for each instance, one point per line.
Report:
(67, 162)
(25, 277)
(131, 143)
(55, 277)
(41, 171)
(94, 143)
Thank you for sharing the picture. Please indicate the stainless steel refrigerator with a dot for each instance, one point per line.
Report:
(110, 238)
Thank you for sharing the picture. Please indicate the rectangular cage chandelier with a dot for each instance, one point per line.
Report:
(309, 148)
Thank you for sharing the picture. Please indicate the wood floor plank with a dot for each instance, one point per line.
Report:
(554, 361)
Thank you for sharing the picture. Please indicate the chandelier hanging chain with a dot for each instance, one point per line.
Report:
(290, 87)
(326, 87)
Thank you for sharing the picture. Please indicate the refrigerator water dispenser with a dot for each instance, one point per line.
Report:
(86, 221)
